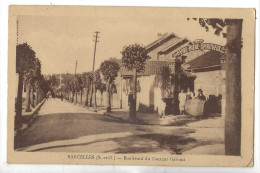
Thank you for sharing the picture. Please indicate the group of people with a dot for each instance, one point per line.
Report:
(184, 97)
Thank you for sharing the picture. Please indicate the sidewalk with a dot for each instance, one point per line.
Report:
(153, 118)
(28, 117)
(100, 109)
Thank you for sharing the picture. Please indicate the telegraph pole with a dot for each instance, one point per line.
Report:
(94, 86)
(76, 67)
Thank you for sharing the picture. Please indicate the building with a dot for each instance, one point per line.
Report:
(198, 69)
(210, 77)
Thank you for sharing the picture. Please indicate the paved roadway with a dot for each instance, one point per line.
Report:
(65, 127)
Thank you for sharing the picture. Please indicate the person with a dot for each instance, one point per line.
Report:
(182, 101)
(190, 94)
(200, 95)
(47, 96)
(61, 97)
(131, 103)
(161, 108)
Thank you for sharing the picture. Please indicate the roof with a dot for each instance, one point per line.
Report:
(173, 46)
(208, 59)
(159, 42)
(151, 68)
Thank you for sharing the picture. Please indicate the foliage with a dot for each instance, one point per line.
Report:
(32, 74)
(109, 70)
(134, 56)
(98, 81)
(24, 57)
(166, 76)
(78, 83)
(218, 25)
(88, 78)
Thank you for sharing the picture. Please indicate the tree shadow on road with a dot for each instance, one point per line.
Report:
(55, 127)
(149, 143)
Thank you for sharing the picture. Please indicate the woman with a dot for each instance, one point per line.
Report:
(182, 100)
(190, 94)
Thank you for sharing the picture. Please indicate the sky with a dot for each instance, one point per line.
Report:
(61, 40)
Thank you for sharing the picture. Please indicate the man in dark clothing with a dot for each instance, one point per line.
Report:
(131, 103)
(200, 95)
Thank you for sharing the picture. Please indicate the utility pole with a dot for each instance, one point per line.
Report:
(76, 67)
(17, 32)
(60, 80)
(94, 86)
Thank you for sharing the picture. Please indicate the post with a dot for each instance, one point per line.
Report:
(76, 67)
(94, 78)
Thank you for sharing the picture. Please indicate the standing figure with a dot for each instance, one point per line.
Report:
(182, 101)
(131, 102)
(190, 94)
(200, 95)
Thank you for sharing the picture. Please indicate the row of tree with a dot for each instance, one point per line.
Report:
(36, 86)
(28, 67)
(89, 83)
(134, 57)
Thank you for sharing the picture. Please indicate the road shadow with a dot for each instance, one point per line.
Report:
(154, 142)
(140, 119)
(64, 126)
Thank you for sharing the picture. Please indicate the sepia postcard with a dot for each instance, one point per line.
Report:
(131, 86)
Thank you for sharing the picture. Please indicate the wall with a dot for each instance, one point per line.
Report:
(210, 82)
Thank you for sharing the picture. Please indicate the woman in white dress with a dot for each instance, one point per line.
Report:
(182, 101)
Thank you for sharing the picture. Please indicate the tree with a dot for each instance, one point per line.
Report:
(24, 55)
(78, 85)
(35, 76)
(101, 87)
(76, 88)
(109, 70)
(88, 78)
(233, 78)
(97, 82)
(82, 85)
(134, 57)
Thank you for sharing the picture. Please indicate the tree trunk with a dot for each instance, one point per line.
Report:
(19, 99)
(37, 96)
(81, 96)
(76, 100)
(132, 113)
(32, 97)
(101, 99)
(95, 96)
(91, 94)
(28, 91)
(72, 97)
(108, 96)
(233, 89)
(86, 101)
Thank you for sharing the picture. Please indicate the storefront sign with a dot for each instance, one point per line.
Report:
(199, 45)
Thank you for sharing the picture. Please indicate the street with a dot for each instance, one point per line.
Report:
(65, 127)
